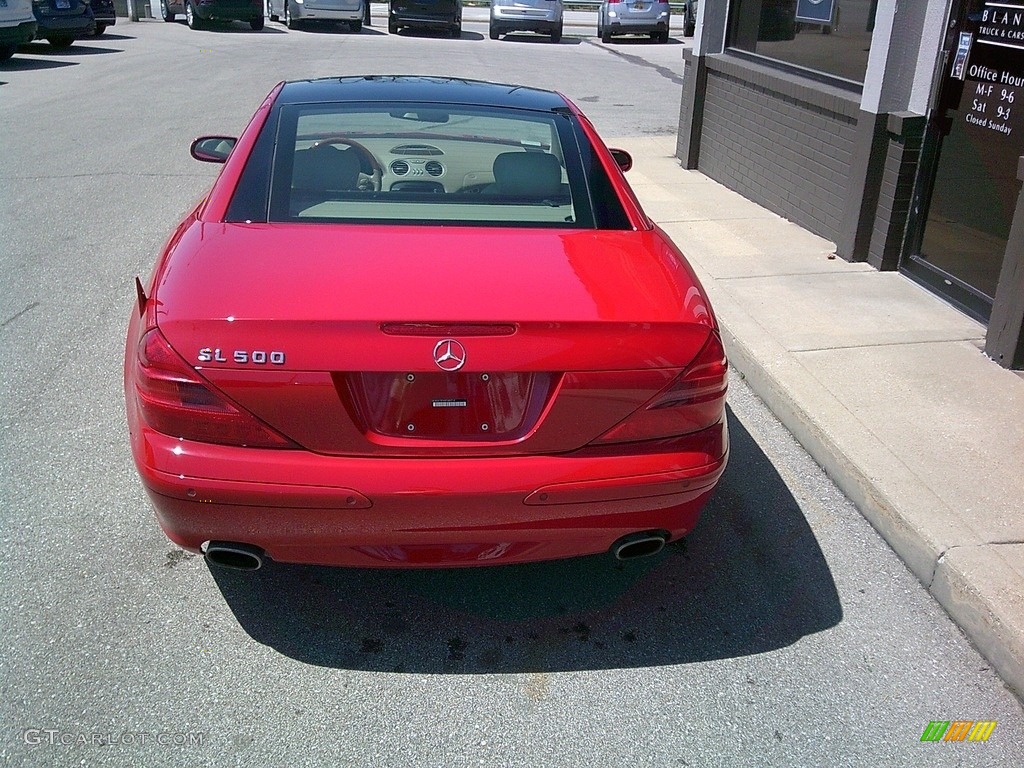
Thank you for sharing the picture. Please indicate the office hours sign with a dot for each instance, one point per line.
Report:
(991, 64)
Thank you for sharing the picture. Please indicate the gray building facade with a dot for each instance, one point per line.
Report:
(895, 128)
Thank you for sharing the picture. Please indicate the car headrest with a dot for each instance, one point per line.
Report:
(324, 168)
(528, 174)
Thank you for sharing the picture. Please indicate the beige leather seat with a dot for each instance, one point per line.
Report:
(318, 173)
(534, 175)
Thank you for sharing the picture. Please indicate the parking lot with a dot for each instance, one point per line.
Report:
(784, 632)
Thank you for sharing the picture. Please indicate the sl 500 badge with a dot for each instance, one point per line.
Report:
(240, 356)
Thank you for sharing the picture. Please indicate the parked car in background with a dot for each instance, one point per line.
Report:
(17, 26)
(199, 12)
(443, 15)
(61, 22)
(103, 11)
(422, 322)
(295, 13)
(633, 17)
(690, 18)
(541, 16)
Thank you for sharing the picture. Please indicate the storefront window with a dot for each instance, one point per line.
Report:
(830, 37)
(969, 188)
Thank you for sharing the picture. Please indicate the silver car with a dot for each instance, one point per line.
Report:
(633, 17)
(294, 13)
(17, 26)
(541, 16)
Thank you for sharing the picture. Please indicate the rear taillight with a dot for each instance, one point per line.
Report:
(694, 400)
(176, 401)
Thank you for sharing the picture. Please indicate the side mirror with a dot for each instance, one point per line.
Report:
(212, 149)
(622, 159)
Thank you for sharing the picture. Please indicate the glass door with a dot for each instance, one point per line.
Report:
(967, 189)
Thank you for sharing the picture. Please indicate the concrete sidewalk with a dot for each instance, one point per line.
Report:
(883, 383)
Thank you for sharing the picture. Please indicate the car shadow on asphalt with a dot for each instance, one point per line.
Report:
(640, 40)
(527, 38)
(750, 579)
(339, 29)
(78, 48)
(20, 64)
(438, 34)
(232, 27)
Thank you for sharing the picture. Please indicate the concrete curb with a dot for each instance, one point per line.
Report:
(950, 575)
(986, 617)
(969, 558)
(950, 572)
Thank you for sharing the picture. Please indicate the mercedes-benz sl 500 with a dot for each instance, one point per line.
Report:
(422, 322)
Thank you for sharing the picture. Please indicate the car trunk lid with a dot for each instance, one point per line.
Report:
(399, 340)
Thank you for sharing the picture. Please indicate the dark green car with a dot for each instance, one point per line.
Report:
(103, 11)
(440, 15)
(200, 12)
(61, 22)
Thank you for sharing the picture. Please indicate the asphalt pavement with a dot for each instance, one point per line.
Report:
(883, 383)
(782, 632)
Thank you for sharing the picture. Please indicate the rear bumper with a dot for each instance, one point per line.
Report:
(542, 26)
(423, 22)
(308, 508)
(75, 26)
(18, 34)
(638, 27)
(317, 14)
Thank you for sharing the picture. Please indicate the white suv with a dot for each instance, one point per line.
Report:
(542, 16)
(17, 26)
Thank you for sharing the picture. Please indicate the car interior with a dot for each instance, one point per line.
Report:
(465, 167)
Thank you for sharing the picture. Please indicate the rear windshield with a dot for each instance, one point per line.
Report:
(424, 164)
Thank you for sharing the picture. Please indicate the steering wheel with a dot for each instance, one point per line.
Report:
(366, 159)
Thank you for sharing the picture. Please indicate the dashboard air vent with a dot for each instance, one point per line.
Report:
(399, 167)
(434, 168)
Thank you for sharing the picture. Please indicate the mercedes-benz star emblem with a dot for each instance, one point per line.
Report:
(449, 355)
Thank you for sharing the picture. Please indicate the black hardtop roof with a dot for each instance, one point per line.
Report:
(418, 88)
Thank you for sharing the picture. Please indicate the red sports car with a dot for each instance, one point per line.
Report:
(422, 322)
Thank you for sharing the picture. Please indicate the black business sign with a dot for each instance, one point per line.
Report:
(1002, 24)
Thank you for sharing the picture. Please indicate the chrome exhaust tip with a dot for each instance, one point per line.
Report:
(234, 556)
(641, 544)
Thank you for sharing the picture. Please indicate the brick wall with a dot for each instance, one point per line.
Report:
(778, 141)
(896, 192)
